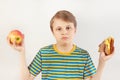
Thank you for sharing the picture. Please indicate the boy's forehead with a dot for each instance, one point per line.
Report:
(59, 21)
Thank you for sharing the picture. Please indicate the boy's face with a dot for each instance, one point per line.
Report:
(63, 31)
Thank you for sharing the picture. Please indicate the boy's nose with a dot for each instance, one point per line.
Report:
(64, 32)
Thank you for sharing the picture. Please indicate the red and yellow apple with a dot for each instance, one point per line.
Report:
(15, 36)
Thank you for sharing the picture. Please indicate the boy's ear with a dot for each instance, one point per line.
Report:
(75, 30)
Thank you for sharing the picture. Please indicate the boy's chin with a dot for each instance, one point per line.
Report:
(66, 42)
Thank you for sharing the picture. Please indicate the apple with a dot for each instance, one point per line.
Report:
(15, 36)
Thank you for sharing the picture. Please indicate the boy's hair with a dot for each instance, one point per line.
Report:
(64, 15)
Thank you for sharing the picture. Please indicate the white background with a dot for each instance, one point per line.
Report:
(96, 19)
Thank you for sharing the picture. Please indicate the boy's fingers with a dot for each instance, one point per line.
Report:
(8, 41)
(101, 47)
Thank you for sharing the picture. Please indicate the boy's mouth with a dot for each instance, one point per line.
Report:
(64, 38)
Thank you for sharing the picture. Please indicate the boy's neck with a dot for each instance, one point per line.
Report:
(64, 47)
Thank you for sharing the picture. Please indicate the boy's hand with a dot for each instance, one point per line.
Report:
(104, 58)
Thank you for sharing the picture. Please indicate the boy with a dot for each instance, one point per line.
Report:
(63, 60)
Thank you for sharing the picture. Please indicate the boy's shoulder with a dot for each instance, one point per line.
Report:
(48, 47)
(81, 50)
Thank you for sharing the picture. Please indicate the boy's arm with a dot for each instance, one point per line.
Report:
(100, 68)
(107, 46)
(102, 61)
(25, 74)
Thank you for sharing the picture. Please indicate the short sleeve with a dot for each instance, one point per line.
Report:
(89, 69)
(35, 66)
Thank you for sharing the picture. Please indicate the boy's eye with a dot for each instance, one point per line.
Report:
(68, 27)
(58, 29)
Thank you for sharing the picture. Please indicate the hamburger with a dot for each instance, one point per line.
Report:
(107, 46)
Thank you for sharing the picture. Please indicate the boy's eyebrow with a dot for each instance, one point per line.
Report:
(58, 26)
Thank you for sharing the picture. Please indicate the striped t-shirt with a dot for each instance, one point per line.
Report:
(55, 65)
